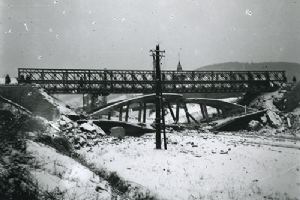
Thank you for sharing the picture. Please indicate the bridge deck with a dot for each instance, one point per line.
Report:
(143, 81)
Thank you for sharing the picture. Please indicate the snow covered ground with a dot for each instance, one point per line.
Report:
(56, 171)
(204, 166)
(197, 165)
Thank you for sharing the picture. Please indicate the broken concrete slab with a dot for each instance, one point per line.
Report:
(118, 132)
(274, 119)
(238, 122)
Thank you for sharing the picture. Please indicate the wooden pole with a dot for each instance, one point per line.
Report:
(164, 124)
(158, 98)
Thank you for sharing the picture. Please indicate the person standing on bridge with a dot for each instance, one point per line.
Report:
(7, 80)
(28, 78)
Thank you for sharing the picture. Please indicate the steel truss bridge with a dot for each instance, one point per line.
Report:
(104, 82)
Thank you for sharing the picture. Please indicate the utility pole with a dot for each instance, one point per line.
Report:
(157, 55)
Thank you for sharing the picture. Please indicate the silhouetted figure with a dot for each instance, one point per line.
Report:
(81, 82)
(28, 79)
(294, 79)
(21, 79)
(7, 80)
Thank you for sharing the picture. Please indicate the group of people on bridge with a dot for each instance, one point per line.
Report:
(26, 79)
(22, 79)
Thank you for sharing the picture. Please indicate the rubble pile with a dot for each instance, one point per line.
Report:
(83, 135)
(275, 118)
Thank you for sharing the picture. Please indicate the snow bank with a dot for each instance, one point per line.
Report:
(58, 171)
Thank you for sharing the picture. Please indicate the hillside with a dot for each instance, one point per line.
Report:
(292, 69)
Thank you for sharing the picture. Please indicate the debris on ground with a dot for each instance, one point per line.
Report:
(91, 127)
(254, 125)
(274, 119)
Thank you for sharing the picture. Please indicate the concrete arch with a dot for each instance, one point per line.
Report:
(149, 98)
(141, 104)
(216, 103)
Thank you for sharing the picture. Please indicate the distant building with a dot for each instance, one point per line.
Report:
(179, 67)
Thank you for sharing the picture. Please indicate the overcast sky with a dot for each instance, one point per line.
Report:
(118, 34)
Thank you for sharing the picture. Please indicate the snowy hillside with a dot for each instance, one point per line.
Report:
(64, 173)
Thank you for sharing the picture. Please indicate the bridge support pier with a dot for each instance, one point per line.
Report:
(127, 113)
(171, 111)
(121, 113)
(91, 101)
(144, 112)
(177, 112)
(204, 111)
(140, 113)
(219, 112)
(186, 113)
(109, 115)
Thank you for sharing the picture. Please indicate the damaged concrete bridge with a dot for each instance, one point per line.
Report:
(119, 112)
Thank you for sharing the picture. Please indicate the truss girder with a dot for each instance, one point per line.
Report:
(143, 81)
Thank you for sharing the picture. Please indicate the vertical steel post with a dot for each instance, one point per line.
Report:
(164, 123)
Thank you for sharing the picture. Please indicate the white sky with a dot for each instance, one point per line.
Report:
(118, 34)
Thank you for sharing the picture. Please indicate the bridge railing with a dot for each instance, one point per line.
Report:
(142, 81)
